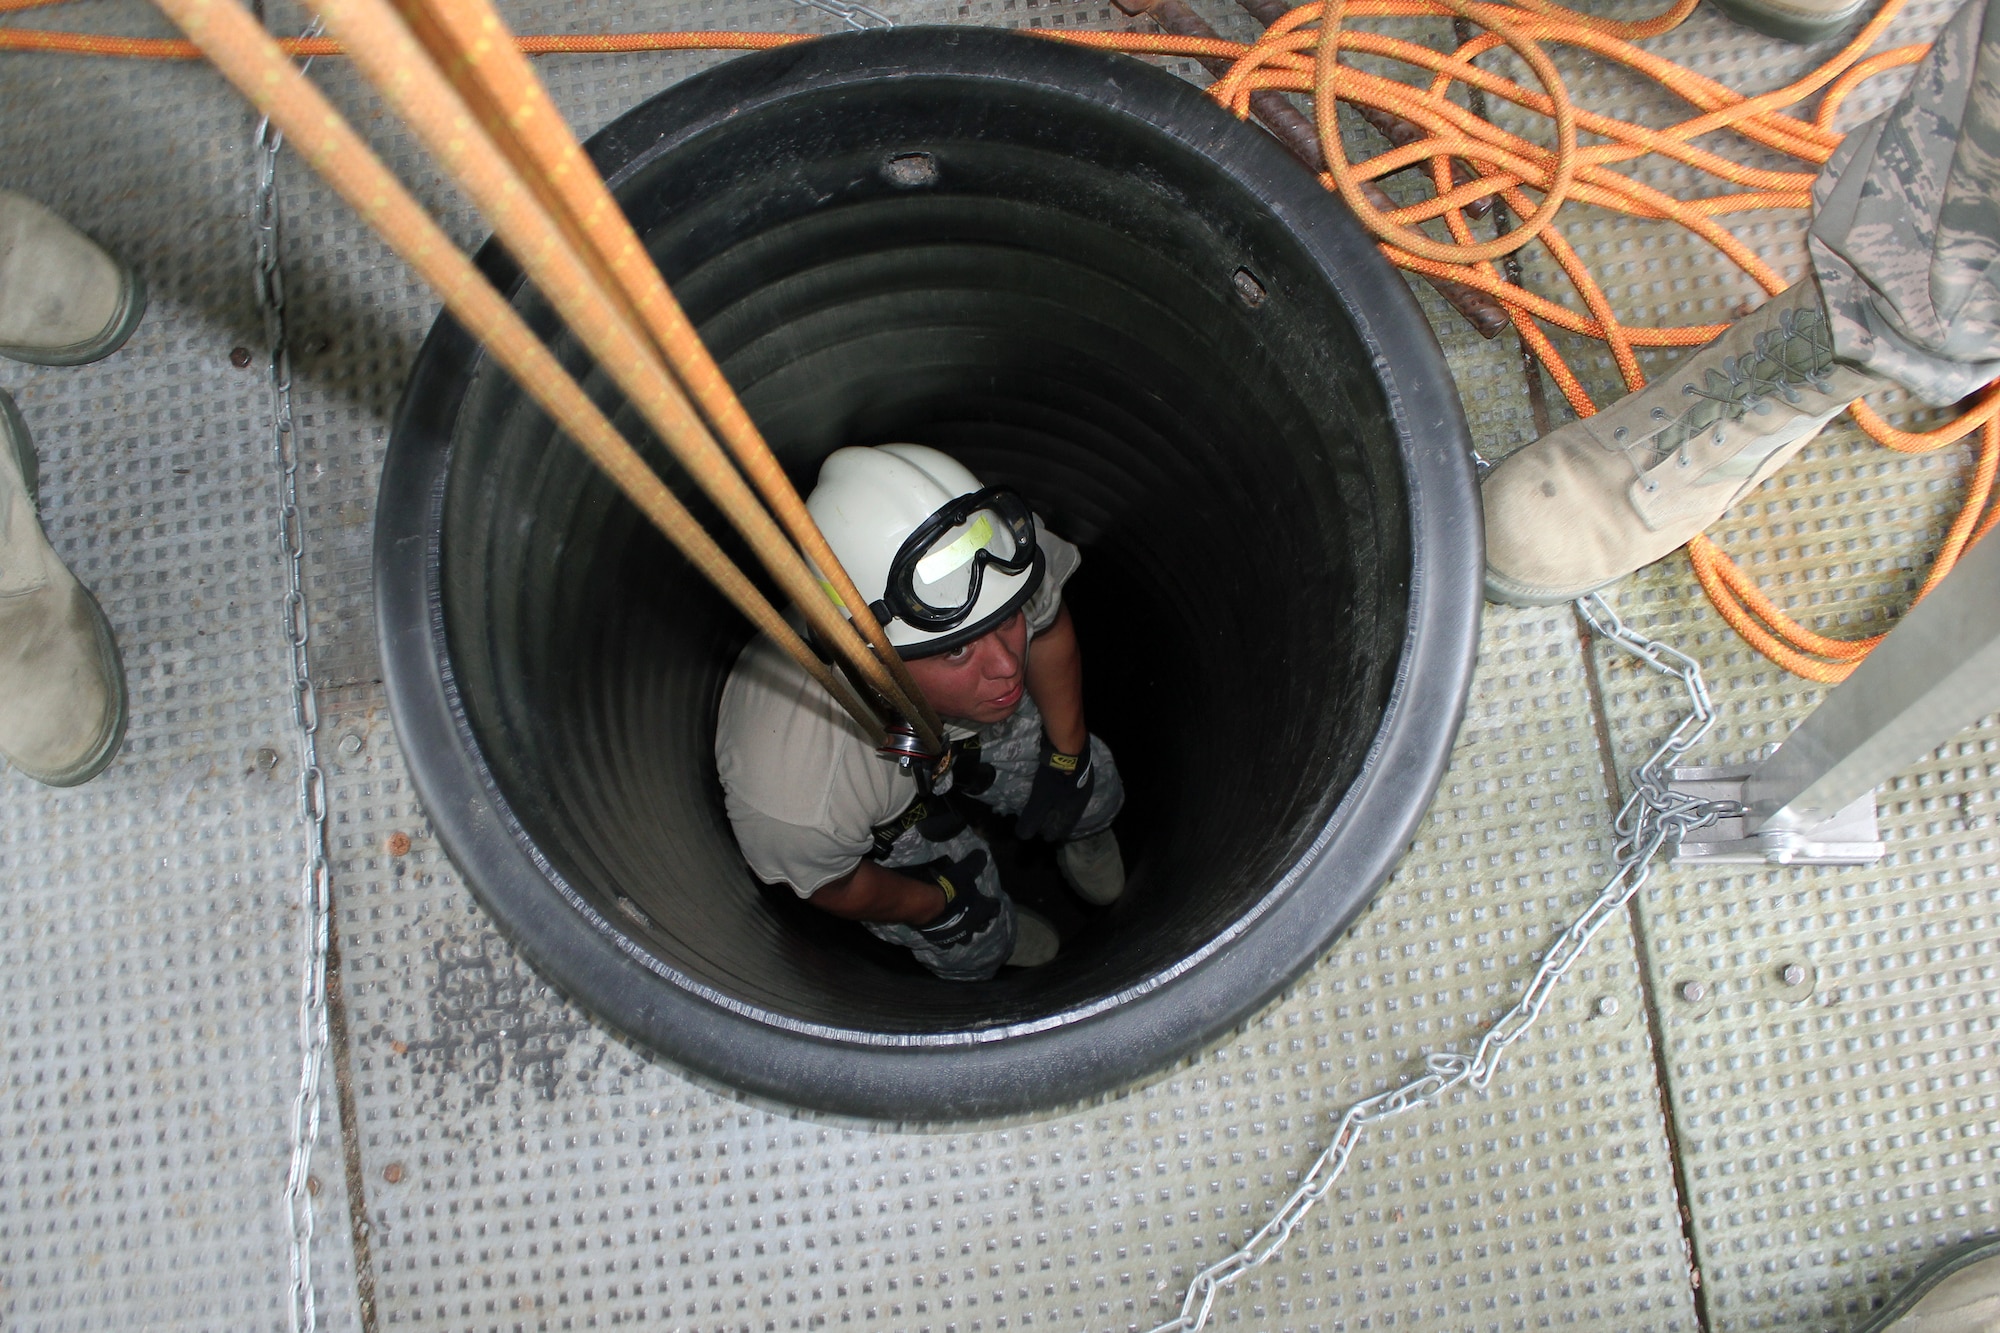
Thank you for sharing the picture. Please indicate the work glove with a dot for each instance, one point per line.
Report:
(967, 911)
(1061, 790)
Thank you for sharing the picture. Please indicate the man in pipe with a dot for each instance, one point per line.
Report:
(968, 585)
(1903, 290)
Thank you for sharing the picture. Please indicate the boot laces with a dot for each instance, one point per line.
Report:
(1798, 353)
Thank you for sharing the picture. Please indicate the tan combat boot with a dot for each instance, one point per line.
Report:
(63, 300)
(1035, 940)
(1605, 495)
(1093, 867)
(62, 689)
(1802, 21)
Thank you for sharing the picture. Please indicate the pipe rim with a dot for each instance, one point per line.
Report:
(1088, 1048)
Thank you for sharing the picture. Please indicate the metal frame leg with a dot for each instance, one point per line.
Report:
(1812, 801)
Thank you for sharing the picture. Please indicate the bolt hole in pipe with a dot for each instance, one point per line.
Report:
(1077, 275)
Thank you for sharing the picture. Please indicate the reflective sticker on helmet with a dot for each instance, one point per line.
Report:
(978, 533)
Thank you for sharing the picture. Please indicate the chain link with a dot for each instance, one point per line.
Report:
(1651, 819)
(853, 15)
(315, 884)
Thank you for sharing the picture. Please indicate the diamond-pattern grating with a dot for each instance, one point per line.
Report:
(520, 1168)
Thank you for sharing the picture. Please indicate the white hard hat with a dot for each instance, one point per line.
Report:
(942, 557)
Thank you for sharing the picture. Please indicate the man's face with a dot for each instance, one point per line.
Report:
(982, 681)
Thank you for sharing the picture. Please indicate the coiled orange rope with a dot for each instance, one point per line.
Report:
(1303, 52)
(1295, 57)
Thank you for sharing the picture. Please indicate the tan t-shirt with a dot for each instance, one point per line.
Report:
(803, 784)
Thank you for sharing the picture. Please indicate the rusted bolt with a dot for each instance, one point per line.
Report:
(910, 171)
(400, 1047)
(239, 357)
(1248, 287)
(267, 758)
(350, 744)
(1793, 974)
(393, 1173)
(1694, 992)
(397, 843)
(1607, 1005)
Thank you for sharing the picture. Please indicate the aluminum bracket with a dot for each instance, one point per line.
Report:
(1850, 838)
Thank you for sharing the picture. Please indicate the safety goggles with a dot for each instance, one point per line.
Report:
(935, 579)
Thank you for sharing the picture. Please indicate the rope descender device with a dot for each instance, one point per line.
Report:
(907, 751)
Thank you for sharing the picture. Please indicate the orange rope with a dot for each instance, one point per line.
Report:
(1804, 652)
(1557, 179)
(1533, 179)
(467, 38)
(246, 55)
(1303, 53)
(175, 48)
(1837, 91)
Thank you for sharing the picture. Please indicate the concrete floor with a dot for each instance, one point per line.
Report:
(1773, 1157)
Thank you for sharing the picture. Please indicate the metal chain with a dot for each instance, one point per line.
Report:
(314, 897)
(853, 15)
(1651, 818)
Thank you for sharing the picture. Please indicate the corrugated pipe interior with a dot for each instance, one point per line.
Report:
(1087, 282)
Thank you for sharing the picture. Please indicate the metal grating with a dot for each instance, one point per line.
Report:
(520, 1168)
(147, 974)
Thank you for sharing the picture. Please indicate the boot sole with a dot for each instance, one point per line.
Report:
(1929, 1276)
(1503, 591)
(101, 754)
(130, 311)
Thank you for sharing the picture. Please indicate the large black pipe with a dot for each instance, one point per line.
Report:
(1081, 277)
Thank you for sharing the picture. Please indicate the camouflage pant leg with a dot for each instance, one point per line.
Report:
(1906, 222)
(1014, 749)
(975, 959)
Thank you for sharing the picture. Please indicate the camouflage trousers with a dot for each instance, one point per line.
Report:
(1014, 749)
(1906, 222)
